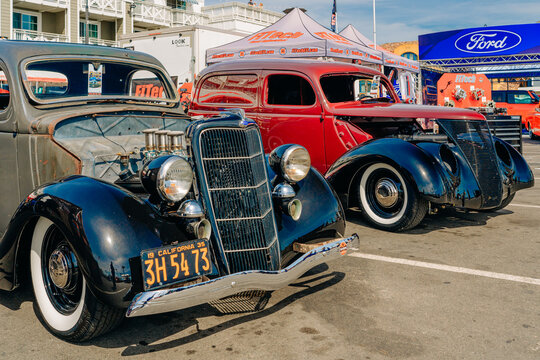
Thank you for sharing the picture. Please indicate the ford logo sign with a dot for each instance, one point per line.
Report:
(487, 41)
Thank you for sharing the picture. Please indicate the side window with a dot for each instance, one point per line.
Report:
(240, 89)
(498, 96)
(519, 97)
(45, 84)
(146, 84)
(289, 90)
(4, 91)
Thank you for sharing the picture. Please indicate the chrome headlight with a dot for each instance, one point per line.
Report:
(174, 179)
(169, 177)
(295, 163)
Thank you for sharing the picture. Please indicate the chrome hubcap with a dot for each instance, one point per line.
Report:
(61, 267)
(386, 192)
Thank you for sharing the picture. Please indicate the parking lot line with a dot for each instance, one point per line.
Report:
(525, 205)
(456, 269)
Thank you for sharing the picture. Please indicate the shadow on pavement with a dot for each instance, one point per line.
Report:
(449, 218)
(156, 327)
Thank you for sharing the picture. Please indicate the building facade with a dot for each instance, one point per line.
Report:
(408, 49)
(107, 20)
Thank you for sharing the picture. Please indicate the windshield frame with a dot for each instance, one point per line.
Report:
(383, 80)
(157, 70)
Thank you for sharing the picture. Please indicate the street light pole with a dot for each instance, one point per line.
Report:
(86, 39)
(374, 28)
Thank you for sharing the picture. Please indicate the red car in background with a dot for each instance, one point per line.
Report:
(517, 102)
(373, 150)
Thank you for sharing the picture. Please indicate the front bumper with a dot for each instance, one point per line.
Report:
(159, 301)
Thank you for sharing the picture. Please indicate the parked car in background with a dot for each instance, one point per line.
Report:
(517, 102)
(370, 147)
(533, 125)
(115, 203)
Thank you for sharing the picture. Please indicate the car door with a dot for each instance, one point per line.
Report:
(290, 112)
(9, 186)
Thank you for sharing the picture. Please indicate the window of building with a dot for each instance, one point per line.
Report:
(177, 4)
(229, 89)
(25, 21)
(289, 90)
(93, 30)
(410, 55)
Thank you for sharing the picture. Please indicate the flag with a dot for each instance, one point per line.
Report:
(333, 21)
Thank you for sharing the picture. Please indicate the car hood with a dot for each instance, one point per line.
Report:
(400, 110)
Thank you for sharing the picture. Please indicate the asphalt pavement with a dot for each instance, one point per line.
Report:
(462, 285)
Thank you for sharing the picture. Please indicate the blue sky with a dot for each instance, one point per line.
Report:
(404, 20)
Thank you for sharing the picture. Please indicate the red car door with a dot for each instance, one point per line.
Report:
(290, 112)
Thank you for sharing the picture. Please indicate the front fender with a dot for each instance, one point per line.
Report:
(322, 214)
(105, 225)
(414, 163)
(519, 174)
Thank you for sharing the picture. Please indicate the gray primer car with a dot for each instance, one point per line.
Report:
(114, 199)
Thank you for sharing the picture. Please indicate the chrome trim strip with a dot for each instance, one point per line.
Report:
(164, 300)
(239, 187)
(234, 157)
(247, 218)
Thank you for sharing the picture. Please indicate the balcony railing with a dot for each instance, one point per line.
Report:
(102, 42)
(20, 34)
(184, 17)
(111, 8)
(48, 3)
(241, 11)
(151, 13)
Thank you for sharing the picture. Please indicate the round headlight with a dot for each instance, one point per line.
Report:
(174, 179)
(295, 163)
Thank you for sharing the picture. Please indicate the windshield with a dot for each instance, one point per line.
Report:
(355, 87)
(53, 81)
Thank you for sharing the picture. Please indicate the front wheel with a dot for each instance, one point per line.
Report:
(389, 201)
(64, 303)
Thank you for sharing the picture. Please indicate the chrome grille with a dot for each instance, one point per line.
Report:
(475, 142)
(235, 177)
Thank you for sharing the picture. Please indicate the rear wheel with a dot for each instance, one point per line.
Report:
(63, 302)
(532, 135)
(389, 201)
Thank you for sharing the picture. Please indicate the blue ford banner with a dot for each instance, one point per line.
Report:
(484, 41)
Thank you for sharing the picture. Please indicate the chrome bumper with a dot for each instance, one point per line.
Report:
(159, 301)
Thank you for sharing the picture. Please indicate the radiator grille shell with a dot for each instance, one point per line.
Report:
(474, 140)
(236, 183)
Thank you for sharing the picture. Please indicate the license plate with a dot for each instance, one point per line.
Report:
(174, 263)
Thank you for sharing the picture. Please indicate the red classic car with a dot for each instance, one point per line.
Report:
(371, 148)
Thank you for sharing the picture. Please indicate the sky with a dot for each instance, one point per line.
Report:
(404, 20)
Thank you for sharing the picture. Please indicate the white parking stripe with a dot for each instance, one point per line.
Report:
(455, 269)
(525, 205)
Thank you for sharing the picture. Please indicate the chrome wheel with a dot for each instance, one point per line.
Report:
(388, 200)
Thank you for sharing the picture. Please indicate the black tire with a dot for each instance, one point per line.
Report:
(67, 308)
(388, 200)
(532, 135)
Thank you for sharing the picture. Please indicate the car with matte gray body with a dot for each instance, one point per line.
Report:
(115, 203)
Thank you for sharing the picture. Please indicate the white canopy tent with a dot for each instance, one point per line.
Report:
(390, 59)
(296, 35)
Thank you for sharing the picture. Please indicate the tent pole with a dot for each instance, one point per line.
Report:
(374, 28)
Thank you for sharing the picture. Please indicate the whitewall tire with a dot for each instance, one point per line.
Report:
(62, 299)
(388, 200)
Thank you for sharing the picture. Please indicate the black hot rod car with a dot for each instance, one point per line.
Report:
(114, 199)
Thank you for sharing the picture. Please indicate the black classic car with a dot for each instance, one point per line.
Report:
(114, 199)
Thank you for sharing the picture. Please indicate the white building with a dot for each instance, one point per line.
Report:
(109, 20)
